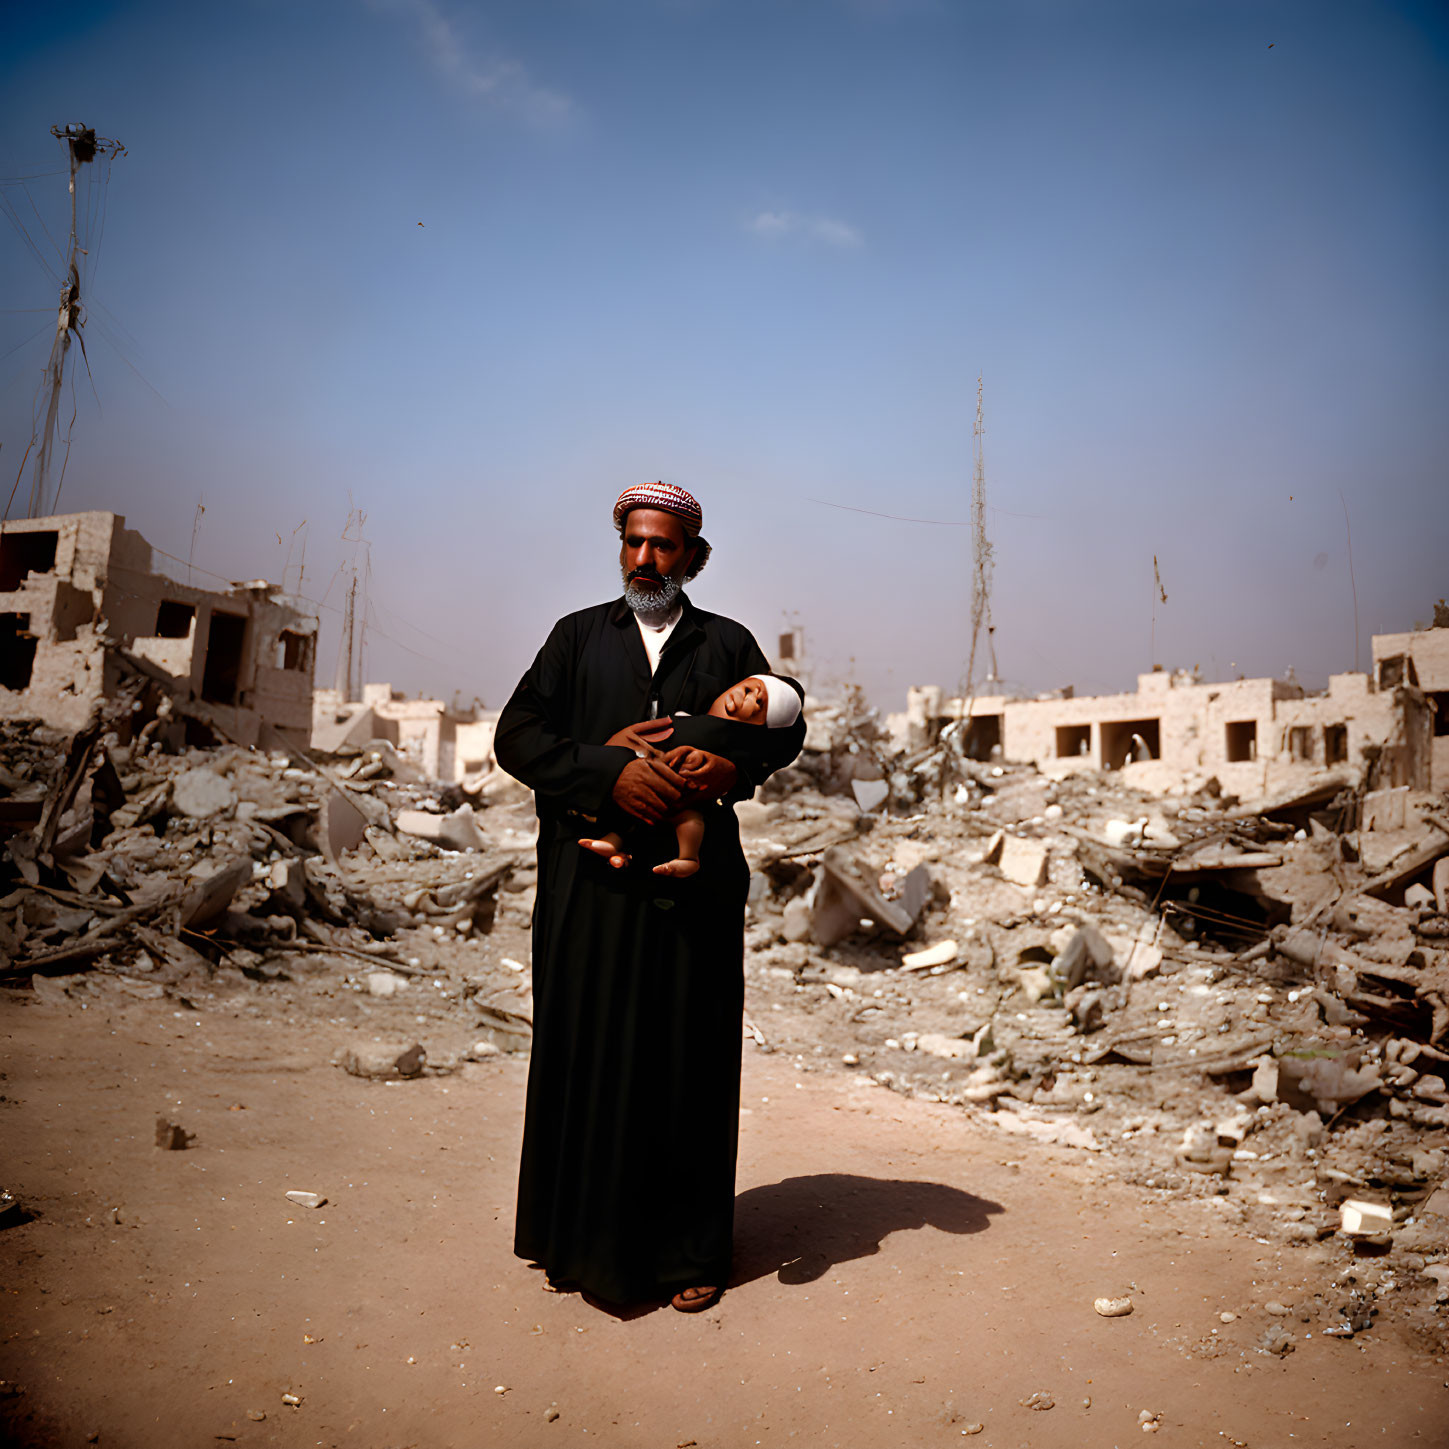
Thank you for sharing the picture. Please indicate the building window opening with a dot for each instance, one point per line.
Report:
(294, 651)
(17, 651)
(1242, 741)
(222, 673)
(1073, 741)
(174, 619)
(1397, 669)
(1439, 701)
(31, 552)
(1335, 744)
(983, 734)
(1127, 741)
(1300, 744)
(787, 646)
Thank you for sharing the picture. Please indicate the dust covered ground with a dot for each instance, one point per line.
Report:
(903, 1274)
(1012, 1045)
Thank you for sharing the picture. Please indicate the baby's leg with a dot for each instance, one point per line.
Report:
(689, 832)
(611, 847)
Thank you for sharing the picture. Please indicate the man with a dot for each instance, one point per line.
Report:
(626, 1188)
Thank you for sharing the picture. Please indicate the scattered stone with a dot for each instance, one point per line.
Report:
(379, 1061)
(201, 793)
(550, 1414)
(1112, 1307)
(292, 1401)
(1276, 1340)
(1363, 1219)
(171, 1137)
(306, 1199)
(974, 1427)
(385, 983)
(256, 1415)
(1226, 1317)
(1039, 1400)
(941, 954)
(1276, 1309)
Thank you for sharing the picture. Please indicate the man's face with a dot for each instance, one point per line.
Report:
(654, 555)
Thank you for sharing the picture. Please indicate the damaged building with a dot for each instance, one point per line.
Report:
(445, 741)
(82, 605)
(1254, 736)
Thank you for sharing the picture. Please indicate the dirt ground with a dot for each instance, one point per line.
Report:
(903, 1274)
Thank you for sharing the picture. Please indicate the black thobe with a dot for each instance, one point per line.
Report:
(627, 1180)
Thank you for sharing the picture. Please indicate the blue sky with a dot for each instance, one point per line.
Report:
(764, 250)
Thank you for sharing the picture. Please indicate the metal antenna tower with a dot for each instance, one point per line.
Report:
(981, 553)
(84, 146)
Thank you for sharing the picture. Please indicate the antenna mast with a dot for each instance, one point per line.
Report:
(981, 554)
(84, 146)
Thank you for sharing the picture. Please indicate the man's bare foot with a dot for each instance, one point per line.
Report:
(694, 1300)
(610, 852)
(677, 868)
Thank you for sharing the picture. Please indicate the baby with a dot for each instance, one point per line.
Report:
(745, 703)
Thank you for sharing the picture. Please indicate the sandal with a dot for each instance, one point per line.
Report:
(705, 1298)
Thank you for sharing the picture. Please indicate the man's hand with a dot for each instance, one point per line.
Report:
(648, 789)
(704, 775)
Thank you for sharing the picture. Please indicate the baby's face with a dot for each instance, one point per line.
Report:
(749, 700)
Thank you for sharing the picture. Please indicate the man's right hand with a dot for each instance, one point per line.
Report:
(648, 790)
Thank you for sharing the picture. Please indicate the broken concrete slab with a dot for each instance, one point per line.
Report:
(1024, 862)
(1385, 809)
(209, 898)
(341, 825)
(1087, 956)
(846, 902)
(458, 831)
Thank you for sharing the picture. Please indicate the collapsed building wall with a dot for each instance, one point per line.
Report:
(1420, 660)
(81, 603)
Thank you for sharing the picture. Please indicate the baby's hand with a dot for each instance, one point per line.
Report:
(686, 760)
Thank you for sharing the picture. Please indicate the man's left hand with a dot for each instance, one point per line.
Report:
(708, 776)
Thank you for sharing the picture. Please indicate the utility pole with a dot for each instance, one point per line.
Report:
(84, 146)
(343, 682)
(349, 650)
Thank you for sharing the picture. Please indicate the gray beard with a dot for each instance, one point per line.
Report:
(653, 606)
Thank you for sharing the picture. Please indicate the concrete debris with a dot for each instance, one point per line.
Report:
(1112, 1307)
(1360, 1219)
(943, 953)
(1023, 862)
(171, 1137)
(380, 1062)
(457, 831)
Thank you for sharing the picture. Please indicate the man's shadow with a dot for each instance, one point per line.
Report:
(802, 1227)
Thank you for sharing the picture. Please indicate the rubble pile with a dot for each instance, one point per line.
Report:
(1239, 1004)
(205, 872)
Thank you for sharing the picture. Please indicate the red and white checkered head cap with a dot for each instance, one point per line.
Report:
(665, 497)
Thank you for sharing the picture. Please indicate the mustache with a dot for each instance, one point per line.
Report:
(646, 571)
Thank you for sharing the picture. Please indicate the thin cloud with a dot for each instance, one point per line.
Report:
(496, 80)
(825, 229)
